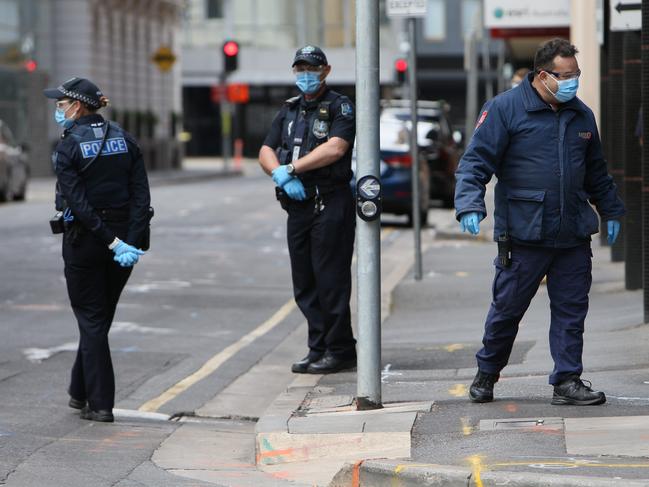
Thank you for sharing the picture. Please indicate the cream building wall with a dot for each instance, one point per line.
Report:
(583, 34)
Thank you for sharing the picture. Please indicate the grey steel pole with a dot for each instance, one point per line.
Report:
(471, 67)
(414, 146)
(368, 243)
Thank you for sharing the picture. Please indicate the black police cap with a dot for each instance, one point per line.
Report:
(312, 55)
(78, 89)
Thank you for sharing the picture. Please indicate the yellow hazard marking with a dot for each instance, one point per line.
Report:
(476, 468)
(467, 429)
(224, 355)
(454, 347)
(458, 390)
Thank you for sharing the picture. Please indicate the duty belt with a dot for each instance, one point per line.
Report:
(112, 214)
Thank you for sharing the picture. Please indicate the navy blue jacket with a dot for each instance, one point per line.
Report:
(549, 166)
(117, 180)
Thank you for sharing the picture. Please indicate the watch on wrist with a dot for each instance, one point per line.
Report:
(290, 169)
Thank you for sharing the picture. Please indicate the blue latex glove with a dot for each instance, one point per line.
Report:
(123, 247)
(280, 176)
(127, 259)
(613, 227)
(68, 216)
(295, 190)
(470, 222)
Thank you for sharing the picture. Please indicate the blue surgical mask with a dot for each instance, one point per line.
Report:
(308, 82)
(59, 116)
(567, 89)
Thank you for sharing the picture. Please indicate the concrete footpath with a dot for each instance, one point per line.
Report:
(428, 433)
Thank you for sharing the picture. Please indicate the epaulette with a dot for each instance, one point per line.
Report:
(291, 102)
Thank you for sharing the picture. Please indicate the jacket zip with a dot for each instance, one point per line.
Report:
(561, 184)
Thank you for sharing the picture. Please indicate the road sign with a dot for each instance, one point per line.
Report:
(625, 15)
(406, 8)
(164, 58)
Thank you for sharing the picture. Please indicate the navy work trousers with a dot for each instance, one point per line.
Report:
(569, 278)
(95, 282)
(321, 247)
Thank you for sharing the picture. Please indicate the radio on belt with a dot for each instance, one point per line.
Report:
(368, 198)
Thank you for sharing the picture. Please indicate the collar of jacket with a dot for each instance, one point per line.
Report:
(533, 102)
(311, 103)
(87, 119)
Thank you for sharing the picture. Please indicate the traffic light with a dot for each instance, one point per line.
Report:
(401, 67)
(230, 56)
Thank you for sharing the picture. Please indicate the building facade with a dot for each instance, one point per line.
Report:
(269, 32)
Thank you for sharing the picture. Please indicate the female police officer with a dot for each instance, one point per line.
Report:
(102, 188)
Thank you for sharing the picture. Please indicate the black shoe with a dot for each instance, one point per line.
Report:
(482, 388)
(76, 403)
(573, 392)
(330, 364)
(301, 366)
(103, 415)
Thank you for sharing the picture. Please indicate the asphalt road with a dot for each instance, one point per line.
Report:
(218, 268)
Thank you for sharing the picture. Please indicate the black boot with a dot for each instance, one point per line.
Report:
(482, 388)
(102, 415)
(76, 403)
(573, 392)
(301, 366)
(330, 364)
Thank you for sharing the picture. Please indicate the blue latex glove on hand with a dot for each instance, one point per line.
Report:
(126, 255)
(127, 259)
(280, 176)
(470, 222)
(295, 190)
(613, 227)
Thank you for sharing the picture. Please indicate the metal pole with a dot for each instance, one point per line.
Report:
(644, 50)
(486, 69)
(471, 67)
(414, 145)
(368, 233)
(226, 123)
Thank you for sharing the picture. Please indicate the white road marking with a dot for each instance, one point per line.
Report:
(127, 326)
(37, 355)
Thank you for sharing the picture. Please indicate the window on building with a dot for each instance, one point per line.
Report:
(214, 9)
(470, 15)
(435, 21)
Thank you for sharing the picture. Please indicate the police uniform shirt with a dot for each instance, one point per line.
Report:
(116, 180)
(342, 123)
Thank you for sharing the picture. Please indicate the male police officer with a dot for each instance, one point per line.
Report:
(308, 154)
(542, 144)
(104, 191)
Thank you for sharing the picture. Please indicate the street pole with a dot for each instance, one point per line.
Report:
(644, 50)
(368, 243)
(226, 123)
(471, 68)
(414, 145)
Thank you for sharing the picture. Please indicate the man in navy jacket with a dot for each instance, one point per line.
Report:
(542, 144)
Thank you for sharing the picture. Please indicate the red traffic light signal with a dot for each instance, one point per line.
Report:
(30, 65)
(230, 56)
(401, 67)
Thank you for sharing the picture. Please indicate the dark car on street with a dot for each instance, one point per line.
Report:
(438, 144)
(14, 166)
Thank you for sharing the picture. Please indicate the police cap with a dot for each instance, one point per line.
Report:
(78, 89)
(312, 55)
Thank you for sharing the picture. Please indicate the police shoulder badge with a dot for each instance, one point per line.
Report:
(320, 128)
(346, 110)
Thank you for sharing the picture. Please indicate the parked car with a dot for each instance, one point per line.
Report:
(396, 171)
(439, 145)
(14, 166)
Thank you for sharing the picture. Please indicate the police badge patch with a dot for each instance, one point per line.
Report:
(346, 110)
(320, 129)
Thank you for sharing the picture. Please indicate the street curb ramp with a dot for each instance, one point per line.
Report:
(391, 473)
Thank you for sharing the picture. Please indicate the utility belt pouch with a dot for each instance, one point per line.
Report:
(504, 250)
(146, 238)
(282, 197)
(57, 224)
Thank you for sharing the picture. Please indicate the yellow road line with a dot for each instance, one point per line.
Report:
(217, 360)
(220, 358)
(476, 467)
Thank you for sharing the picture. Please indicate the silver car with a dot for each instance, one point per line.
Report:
(14, 166)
